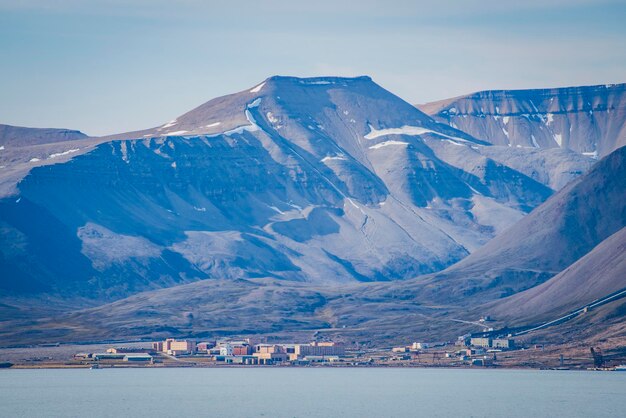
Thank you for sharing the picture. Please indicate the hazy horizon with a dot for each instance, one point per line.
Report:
(109, 66)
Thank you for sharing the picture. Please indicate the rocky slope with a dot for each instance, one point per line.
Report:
(601, 272)
(588, 120)
(550, 239)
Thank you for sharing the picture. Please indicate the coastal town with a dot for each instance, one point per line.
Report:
(473, 351)
(466, 351)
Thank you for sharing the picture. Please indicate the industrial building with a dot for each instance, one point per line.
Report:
(175, 347)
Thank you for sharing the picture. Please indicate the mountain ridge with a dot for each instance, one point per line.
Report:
(586, 119)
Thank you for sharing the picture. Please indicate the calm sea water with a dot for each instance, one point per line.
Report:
(311, 392)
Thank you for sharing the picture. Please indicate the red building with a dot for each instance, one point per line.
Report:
(242, 350)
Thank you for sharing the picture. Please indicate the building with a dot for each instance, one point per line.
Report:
(242, 350)
(125, 350)
(270, 358)
(175, 347)
(205, 346)
(505, 343)
(226, 349)
(480, 342)
(419, 346)
(108, 356)
(269, 348)
(399, 349)
(319, 349)
(138, 358)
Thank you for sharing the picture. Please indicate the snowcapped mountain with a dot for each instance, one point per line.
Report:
(320, 180)
(588, 120)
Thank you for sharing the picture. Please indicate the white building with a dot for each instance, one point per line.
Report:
(226, 349)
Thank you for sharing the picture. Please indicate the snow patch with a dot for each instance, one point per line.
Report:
(550, 118)
(34, 160)
(211, 125)
(593, 154)
(505, 120)
(257, 88)
(124, 152)
(174, 133)
(320, 82)
(559, 139)
(454, 143)
(404, 130)
(169, 124)
(2, 148)
(334, 157)
(505, 132)
(409, 131)
(59, 154)
(387, 143)
(255, 103)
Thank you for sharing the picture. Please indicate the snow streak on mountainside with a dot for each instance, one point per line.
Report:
(321, 180)
(588, 120)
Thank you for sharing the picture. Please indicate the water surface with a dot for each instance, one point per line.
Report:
(310, 392)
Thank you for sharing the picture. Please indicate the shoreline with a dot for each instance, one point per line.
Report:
(56, 366)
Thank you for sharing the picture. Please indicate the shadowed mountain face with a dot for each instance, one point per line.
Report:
(588, 120)
(322, 180)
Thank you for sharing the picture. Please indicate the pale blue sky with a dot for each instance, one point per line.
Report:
(107, 66)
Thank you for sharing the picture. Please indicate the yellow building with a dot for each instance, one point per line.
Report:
(175, 347)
